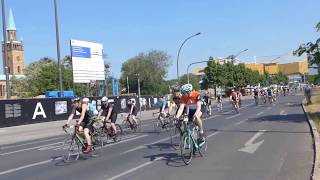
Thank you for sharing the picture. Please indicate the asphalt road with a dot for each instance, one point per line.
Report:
(261, 142)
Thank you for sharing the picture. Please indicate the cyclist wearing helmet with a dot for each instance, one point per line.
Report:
(132, 112)
(84, 123)
(191, 99)
(108, 114)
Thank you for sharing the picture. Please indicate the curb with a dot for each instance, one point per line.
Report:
(316, 144)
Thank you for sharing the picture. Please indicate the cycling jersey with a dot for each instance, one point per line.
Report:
(269, 92)
(234, 96)
(105, 109)
(191, 99)
(134, 110)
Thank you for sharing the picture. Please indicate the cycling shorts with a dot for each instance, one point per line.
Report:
(87, 124)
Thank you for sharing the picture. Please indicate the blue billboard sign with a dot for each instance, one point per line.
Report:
(81, 52)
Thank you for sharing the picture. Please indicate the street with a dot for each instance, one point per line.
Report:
(261, 142)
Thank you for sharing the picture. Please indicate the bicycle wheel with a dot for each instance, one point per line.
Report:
(186, 148)
(157, 126)
(118, 137)
(203, 146)
(97, 142)
(72, 149)
(174, 136)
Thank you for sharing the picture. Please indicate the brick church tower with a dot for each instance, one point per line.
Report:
(15, 50)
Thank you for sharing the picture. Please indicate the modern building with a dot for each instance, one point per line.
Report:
(295, 71)
(15, 54)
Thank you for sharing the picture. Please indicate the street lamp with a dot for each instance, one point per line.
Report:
(189, 67)
(178, 78)
(139, 95)
(58, 47)
(233, 57)
(5, 65)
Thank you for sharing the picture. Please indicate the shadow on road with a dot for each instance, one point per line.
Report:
(289, 118)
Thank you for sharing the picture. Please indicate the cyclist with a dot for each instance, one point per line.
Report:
(234, 99)
(207, 102)
(219, 99)
(176, 101)
(164, 109)
(84, 123)
(239, 97)
(256, 96)
(270, 96)
(191, 99)
(108, 114)
(132, 113)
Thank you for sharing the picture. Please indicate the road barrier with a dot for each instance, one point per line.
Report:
(28, 111)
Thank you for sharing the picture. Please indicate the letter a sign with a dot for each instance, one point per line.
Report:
(37, 112)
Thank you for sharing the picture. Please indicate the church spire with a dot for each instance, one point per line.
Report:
(11, 25)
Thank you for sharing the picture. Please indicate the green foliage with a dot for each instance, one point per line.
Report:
(151, 68)
(229, 75)
(311, 49)
(193, 79)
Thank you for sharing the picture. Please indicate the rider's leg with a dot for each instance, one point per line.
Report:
(113, 121)
(87, 136)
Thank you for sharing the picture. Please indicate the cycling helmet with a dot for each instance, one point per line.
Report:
(75, 99)
(85, 100)
(104, 99)
(186, 88)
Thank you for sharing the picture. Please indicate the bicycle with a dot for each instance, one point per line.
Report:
(134, 126)
(75, 142)
(256, 100)
(235, 105)
(108, 132)
(162, 122)
(189, 143)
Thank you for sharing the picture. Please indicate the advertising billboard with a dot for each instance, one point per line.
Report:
(87, 61)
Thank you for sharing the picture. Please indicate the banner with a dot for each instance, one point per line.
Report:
(87, 61)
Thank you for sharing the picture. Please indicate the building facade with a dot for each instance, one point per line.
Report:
(15, 54)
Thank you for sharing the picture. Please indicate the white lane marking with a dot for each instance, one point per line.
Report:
(269, 108)
(289, 104)
(28, 149)
(135, 168)
(238, 123)
(249, 146)
(213, 134)
(233, 116)
(29, 165)
(133, 149)
(260, 113)
(2, 130)
(226, 112)
(59, 158)
(213, 116)
(35, 142)
(283, 112)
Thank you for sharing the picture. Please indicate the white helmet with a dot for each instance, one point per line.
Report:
(104, 99)
(85, 100)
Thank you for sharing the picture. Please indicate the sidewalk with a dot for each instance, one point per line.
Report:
(15, 134)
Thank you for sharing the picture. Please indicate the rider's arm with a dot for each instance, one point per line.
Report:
(198, 107)
(180, 111)
(83, 112)
(71, 116)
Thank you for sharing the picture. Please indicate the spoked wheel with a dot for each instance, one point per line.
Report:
(157, 126)
(186, 148)
(97, 142)
(72, 150)
(203, 146)
(137, 126)
(174, 136)
(118, 137)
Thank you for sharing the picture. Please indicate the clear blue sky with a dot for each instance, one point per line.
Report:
(265, 27)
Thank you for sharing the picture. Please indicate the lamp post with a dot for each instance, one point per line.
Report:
(233, 57)
(58, 47)
(189, 67)
(5, 65)
(178, 78)
(139, 95)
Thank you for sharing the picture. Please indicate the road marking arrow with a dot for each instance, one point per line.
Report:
(251, 147)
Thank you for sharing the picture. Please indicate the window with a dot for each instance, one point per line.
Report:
(18, 68)
(1, 91)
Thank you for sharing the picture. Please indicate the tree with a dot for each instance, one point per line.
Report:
(193, 79)
(311, 49)
(151, 67)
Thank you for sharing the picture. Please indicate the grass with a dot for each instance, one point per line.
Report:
(314, 108)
